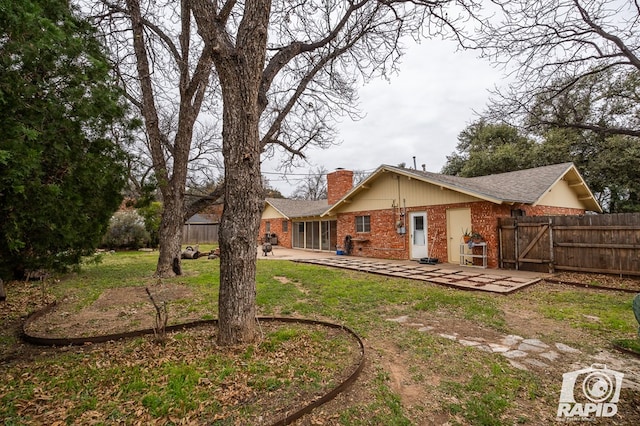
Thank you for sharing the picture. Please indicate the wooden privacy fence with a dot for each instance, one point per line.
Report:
(608, 243)
(200, 233)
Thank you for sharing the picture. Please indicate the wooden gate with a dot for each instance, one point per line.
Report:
(591, 243)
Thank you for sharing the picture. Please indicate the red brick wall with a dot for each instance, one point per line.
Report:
(284, 238)
(339, 183)
(384, 242)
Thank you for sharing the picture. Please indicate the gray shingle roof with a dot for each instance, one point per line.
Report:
(522, 186)
(298, 208)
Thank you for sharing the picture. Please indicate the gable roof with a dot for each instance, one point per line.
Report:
(298, 208)
(523, 186)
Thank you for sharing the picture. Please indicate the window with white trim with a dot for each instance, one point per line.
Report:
(363, 223)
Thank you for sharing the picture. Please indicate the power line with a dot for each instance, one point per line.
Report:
(310, 173)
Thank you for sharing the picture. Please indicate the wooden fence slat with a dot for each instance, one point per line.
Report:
(533, 242)
(591, 243)
(597, 228)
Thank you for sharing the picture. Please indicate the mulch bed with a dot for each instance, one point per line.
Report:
(597, 281)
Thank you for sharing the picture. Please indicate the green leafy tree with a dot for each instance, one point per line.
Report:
(485, 148)
(61, 175)
(607, 163)
(152, 214)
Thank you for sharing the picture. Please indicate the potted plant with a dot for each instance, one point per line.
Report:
(466, 236)
(476, 237)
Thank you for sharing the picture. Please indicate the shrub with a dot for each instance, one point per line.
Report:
(152, 214)
(126, 230)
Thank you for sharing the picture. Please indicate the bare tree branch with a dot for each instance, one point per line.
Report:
(559, 47)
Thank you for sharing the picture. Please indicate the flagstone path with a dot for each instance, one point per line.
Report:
(532, 354)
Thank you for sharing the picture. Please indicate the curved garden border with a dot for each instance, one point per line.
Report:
(622, 349)
(589, 286)
(78, 341)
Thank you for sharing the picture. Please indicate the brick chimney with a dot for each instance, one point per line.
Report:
(339, 182)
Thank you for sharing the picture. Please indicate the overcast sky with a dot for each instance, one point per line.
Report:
(420, 113)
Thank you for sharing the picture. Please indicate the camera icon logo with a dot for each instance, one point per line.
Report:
(593, 391)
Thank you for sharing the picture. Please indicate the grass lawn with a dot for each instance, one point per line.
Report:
(414, 374)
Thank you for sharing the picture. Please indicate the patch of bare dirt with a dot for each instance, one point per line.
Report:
(115, 311)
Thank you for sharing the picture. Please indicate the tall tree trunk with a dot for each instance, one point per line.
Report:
(170, 237)
(240, 220)
(240, 74)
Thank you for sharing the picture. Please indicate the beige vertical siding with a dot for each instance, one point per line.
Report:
(270, 213)
(561, 195)
(390, 188)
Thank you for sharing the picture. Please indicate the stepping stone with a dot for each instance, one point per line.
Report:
(533, 345)
(402, 319)
(421, 277)
(517, 365)
(484, 348)
(498, 348)
(568, 349)
(511, 340)
(448, 336)
(481, 280)
(468, 342)
(493, 277)
(466, 274)
(536, 362)
(551, 355)
(514, 354)
(415, 324)
(426, 328)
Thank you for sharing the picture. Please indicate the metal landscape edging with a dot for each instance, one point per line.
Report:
(79, 341)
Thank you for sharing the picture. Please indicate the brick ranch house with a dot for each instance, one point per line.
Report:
(399, 213)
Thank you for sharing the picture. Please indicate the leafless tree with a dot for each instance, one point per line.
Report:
(285, 69)
(313, 186)
(360, 175)
(165, 71)
(282, 72)
(562, 51)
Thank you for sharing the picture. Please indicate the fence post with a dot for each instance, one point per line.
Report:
(515, 243)
(552, 264)
(500, 245)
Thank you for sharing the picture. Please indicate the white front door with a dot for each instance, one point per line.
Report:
(418, 235)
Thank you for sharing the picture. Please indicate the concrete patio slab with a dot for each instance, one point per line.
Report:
(468, 278)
